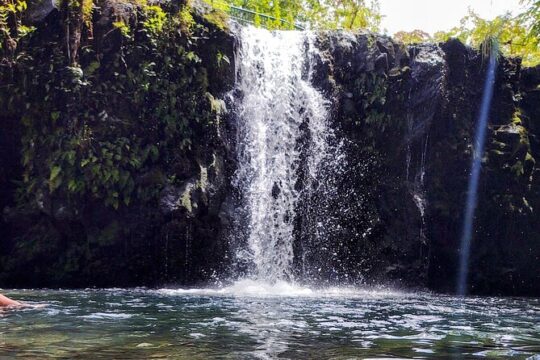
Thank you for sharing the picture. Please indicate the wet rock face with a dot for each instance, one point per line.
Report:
(385, 99)
(408, 115)
(504, 212)
(38, 10)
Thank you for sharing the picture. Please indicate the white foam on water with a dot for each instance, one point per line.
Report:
(253, 288)
(102, 316)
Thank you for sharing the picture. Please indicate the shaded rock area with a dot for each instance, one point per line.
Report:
(408, 115)
(38, 10)
(385, 98)
(116, 170)
(113, 170)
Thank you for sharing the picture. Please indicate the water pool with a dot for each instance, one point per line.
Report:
(248, 321)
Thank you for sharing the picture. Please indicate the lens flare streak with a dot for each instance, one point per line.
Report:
(472, 194)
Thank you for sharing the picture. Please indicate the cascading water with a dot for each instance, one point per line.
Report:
(277, 108)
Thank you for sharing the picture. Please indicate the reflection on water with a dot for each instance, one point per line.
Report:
(250, 320)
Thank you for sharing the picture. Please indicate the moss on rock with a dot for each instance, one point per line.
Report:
(101, 139)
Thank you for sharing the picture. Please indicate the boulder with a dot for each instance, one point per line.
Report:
(38, 10)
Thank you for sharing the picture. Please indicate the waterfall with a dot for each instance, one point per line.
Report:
(281, 131)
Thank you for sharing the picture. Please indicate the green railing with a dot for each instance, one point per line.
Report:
(246, 16)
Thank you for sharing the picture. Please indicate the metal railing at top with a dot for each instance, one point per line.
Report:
(246, 16)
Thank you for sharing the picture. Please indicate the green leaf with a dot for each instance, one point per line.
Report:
(55, 180)
(72, 185)
(91, 69)
(55, 171)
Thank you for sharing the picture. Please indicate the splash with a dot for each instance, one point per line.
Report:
(472, 194)
(259, 289)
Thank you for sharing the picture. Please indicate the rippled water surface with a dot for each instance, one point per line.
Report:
(250, 321)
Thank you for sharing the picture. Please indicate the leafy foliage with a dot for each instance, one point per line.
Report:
(514, 36)
(94, 131)
(531, 18)
(412, 37)
(11, 27)
(355, 14)
(314, 14)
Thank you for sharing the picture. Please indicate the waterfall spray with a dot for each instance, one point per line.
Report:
(472, 194)
(276, 101)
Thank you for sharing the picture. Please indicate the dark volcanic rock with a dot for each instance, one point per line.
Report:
(38, 10)
(124, 184)
(116, 171)
(409, 117)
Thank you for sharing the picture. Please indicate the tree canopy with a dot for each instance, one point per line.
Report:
(313, 14)
(517, 36)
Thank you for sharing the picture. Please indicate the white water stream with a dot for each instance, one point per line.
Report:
(281, 126)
